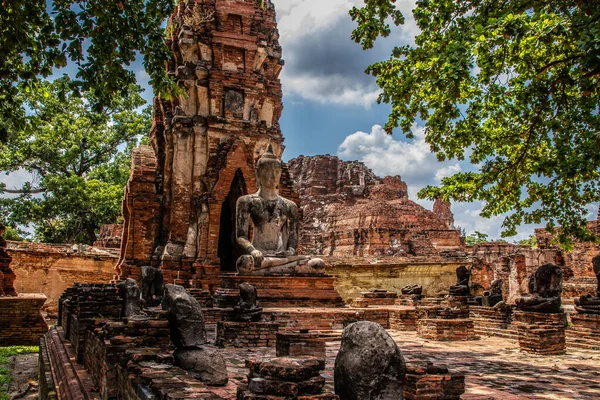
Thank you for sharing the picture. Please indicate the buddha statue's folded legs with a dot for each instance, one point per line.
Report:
(280, 265)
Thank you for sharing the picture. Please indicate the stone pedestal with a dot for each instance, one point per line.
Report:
(446, 329)
(21, 323)
(246, 334)
(295, 344)
(424, 382)
(281, 291)
(448, 321)
(377, 297)
(360, 303)
(492, 322)
(541, 333)
(584, 332)
(408, 300)
(403, 320)
(285, 378)
(430, 301)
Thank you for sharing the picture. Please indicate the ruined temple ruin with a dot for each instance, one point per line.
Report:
(397, 306)
(179, 205)
(348, 211)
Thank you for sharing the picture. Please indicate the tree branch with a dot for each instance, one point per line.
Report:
(21, 191)
(556, 62)
(110, 148)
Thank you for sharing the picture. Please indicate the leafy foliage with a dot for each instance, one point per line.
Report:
(531, 241)
(513, 86)
(78, 159)
(102, 38)
(476, 238)
(12, 234)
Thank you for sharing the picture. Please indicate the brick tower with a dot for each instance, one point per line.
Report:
(179, 205)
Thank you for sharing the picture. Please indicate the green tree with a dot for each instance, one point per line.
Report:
(78, 160)
(13, 233)
(513, 86)
(101, 38)
(531, 241)
(476, 238)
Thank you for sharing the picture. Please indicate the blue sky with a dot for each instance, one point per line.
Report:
(330, 103)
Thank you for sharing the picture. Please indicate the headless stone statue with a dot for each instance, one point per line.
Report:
(494, 296)
(152, 286)
(412, 290)
(589, 304)
(132, 304)
(272, 250)
(247, 309)
(462, 282)
(545, 288)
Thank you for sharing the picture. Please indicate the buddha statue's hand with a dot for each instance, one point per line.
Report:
(258, 257)
(290, 252)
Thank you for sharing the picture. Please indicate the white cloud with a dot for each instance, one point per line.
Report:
(305, 17)
(413, 160)
(15, 180)
(323, 65)
(418, 167)
(447, 171)
(334, 89)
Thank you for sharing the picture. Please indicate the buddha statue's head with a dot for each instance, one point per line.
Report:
(268, 170)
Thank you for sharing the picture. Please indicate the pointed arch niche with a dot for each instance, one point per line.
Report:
(228, 250)
(235, 179)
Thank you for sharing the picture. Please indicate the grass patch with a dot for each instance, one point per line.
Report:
(6, 352)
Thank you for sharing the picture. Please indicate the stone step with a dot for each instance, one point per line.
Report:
(576, 336)
(583, 346)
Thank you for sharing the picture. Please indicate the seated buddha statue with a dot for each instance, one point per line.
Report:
(589, 304)
(494, 295)
(462, 282)
(545, 288)
(274, 221)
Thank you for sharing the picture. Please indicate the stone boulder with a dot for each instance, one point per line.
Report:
(185, 317)
(204, 364)
(369, 365)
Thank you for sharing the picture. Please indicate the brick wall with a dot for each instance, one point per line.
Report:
(20, 320)
(50, 269)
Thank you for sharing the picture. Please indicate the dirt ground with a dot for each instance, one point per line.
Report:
(24, 383)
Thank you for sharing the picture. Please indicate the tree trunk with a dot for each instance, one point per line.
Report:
(91, 234)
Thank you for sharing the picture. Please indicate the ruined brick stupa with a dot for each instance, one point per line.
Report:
(20, 320)
(180, 201)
